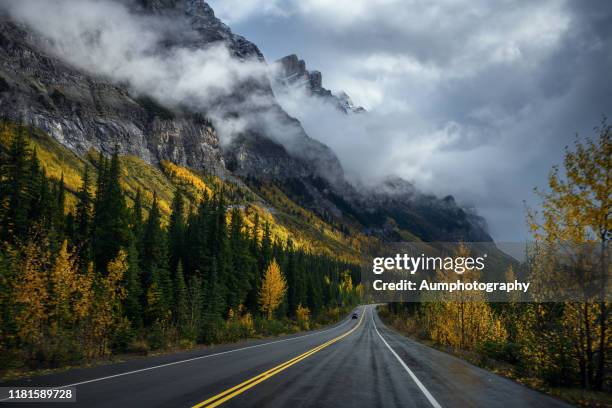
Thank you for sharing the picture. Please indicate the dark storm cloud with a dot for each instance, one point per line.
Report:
(472, 98)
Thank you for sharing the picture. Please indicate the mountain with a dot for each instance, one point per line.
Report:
(83, 110)
(290, 71)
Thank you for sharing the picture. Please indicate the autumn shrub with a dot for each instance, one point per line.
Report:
(500, 350)
(156, 337)
(267, 327)
(138, 345)
(123, 338)
(302, 315)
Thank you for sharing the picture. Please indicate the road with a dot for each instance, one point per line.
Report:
(356, 363)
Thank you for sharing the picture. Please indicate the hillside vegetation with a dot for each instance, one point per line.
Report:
(101, 255)
(287, 219)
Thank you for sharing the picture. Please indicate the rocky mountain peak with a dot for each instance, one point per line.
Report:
(291, 72)
(348, 104)
(201, 17)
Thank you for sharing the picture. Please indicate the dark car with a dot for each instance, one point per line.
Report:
(355, 315)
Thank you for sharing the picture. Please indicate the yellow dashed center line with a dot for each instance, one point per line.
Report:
(250, 383)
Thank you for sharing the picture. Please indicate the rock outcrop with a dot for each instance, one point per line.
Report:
(290, 71)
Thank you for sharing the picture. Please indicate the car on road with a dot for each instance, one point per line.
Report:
(355, 315)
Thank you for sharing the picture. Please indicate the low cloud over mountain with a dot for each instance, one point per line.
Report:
(472, 98)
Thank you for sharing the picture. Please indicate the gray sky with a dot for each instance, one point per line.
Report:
(465, 97)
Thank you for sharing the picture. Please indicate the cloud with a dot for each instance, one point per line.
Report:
(106, 38)
(470, 98)
(234, 11)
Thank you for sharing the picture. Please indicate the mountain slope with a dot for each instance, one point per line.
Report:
(83, 111)
(287, 219)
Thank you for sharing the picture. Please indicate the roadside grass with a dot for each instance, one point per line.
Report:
(264, 330)
(407, 326)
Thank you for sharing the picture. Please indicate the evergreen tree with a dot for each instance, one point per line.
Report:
(240, 277)
(176, 231)
(255, 271)
(265, 255)
(60, 204)
(15, 220)
(36, 206)
(221, 249)
(195, 302)
(154, 258)
(132, 282)
(181, 306)
(82, 228)
(111, 229)
(293, 279)
(215, 304)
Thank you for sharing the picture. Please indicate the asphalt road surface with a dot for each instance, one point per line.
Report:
(356, 363)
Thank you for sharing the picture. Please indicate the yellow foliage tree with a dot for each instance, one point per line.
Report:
(302, 315)
(461, 319)
(107, 307)
(64, 286)
(31, 295)
(572, 251)
(84, 301)
(273, 288)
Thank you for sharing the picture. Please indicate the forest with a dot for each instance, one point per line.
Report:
(106, 277)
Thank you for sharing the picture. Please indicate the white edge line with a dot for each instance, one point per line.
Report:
(419, 384)
(191, 359)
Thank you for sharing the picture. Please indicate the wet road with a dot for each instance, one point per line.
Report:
(356, 363)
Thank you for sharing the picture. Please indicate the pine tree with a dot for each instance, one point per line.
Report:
(60, 204)
(154, 260)
(255, 272)
(181, 306)
(137, 221)
(292, 278)
(176, 231)
(132, 282)
(240, 276)
(265, 255)
(221, 250)
(36, 177)
(195, 307)
(215, 303)
(83, 209)
(111, 224)
(15, 220)
(197, 254)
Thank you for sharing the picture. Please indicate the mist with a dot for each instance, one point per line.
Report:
(106, 38)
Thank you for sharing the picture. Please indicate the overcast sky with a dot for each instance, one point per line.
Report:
(466, 97)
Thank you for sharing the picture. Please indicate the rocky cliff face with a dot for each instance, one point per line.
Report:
(85, 111)
(291, 72)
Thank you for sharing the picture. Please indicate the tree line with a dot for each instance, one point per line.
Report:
(107, 276)
(566, 343)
